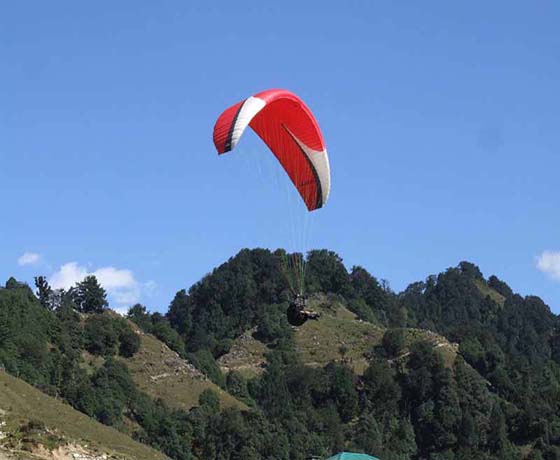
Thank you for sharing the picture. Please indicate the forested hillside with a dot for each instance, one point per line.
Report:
(454, 367)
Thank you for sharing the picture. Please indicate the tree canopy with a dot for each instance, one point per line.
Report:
(498, 398)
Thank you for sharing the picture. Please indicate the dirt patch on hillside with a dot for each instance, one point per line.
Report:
(247, 355)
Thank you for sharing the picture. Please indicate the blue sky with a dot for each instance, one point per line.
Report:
(441, 121)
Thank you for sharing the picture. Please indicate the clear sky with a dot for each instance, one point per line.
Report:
(441, 119)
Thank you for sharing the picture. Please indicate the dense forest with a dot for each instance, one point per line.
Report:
(500, 399)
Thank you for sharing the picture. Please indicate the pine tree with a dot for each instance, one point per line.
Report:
(89, 296)
(367, 435)
(44, 292)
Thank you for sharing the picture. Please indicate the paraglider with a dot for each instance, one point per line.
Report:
(287, 126)
(291, 132)
(298, 313)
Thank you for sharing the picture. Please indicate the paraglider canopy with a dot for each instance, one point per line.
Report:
(287, 126)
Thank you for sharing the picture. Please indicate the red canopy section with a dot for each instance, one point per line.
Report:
(283, 121)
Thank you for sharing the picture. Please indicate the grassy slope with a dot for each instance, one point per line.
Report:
(161, 373)
(247, 356)
(22, 402)
(488, 291)
(338, 329)
(448, 350)
(320, 342)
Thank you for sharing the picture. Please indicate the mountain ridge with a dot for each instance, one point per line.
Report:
(381, 372)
